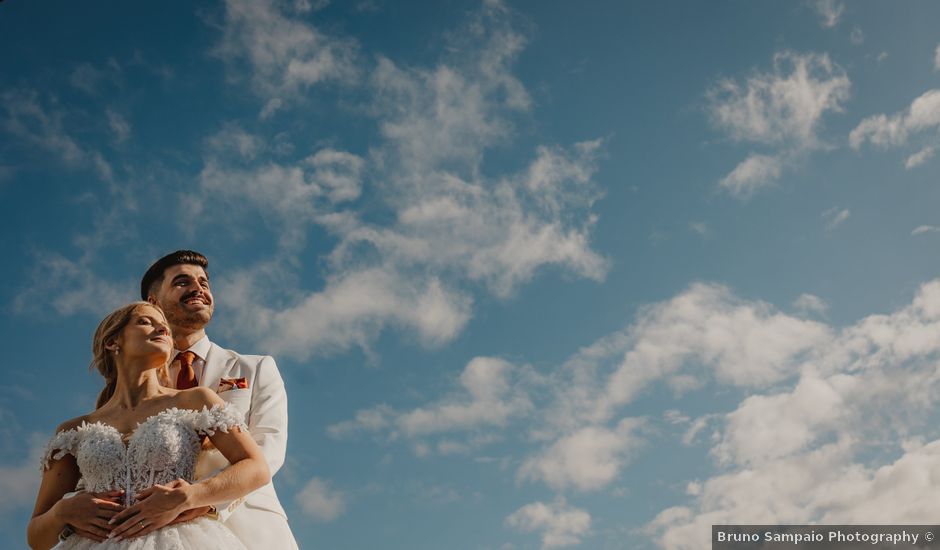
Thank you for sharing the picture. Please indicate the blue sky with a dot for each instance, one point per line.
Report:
(537, 274)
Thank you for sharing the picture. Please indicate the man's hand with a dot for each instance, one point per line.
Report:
(89, 513)
(156, 507)
(192, 513)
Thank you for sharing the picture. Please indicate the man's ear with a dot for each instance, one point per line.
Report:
(152, 299)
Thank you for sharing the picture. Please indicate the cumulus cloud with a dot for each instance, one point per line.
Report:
(885, 131)
(492, 393)
(587, 459)
(829, 11)
(285, 54)
(559, 523)
(810, 303)
(873, 381)
(813, 400)
(741, 343)
(782, 109)
(446, 230)
(319, 501)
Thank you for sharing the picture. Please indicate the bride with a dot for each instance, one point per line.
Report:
(139, 447)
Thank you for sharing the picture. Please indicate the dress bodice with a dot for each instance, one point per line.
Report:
(162, 448)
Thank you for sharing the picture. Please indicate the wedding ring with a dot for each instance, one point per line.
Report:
(140, 524)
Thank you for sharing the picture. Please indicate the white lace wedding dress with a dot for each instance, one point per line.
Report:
(162, 448)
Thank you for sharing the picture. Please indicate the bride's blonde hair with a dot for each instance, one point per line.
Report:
(102, 359)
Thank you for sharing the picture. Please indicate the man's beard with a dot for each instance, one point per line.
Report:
(179, 317)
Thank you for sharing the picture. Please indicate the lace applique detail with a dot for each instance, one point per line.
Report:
(161, 449)
(61, 444)
(219, 417)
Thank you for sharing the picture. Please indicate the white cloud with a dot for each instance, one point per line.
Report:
(232, 139)
(754, 173)
(87, 78)
(871, 385)
(448, 229)
(892, 131)
(829, 11)
(70, 287)
(815, 400)
(810, 303)
(492, 393)
(120, 127)
(700, 227)
(587, 459)
(783, 106)
(286, 55)
(44, 127)
(782, 109)
(351, 310)
(559, 523)
(835, 217)
(921, 229)
(745, 344)
(19, 483)
(803, 489)
(920, 157)
(857, 36)
(320, 502)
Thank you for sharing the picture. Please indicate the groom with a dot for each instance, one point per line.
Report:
(179, 284)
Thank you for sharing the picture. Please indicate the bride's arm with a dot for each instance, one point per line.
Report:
(46, 523)
(161, 504)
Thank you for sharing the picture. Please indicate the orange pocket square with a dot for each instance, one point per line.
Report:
(227, 384)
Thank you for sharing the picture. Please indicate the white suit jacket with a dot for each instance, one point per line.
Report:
(264, 406)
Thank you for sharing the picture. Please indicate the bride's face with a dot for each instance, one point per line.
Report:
(146, 334)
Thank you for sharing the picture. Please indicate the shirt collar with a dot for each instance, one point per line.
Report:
(200, 348)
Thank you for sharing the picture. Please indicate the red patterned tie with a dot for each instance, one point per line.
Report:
(187, 377)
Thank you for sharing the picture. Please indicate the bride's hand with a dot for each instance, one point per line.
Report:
(88, 513)
(156, 508)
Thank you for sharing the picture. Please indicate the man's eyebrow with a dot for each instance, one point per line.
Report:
(181, 276)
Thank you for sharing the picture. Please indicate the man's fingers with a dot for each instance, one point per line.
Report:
(107, 505)
(107, 514)
(101, 523)
(129, 529)
(122, 516)
(110, 496)
(186, 516)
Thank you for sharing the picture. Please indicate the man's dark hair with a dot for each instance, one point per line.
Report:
(154, 275)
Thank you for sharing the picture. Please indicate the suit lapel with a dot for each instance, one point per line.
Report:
(218, 361)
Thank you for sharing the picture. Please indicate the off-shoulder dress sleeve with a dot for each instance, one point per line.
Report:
(61, 444)
(218, 418)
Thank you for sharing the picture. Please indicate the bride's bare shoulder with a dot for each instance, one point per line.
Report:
(198, 397)
(73, 423)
